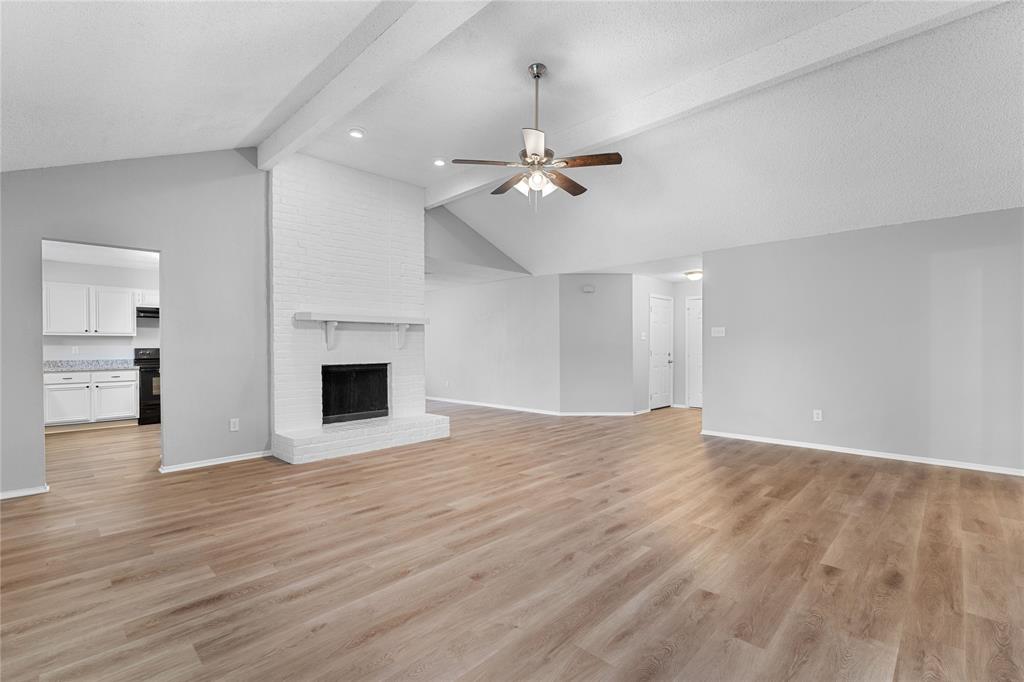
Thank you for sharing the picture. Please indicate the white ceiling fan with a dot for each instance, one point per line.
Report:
(541, 170)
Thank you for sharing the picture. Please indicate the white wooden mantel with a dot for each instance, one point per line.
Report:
(330, 322)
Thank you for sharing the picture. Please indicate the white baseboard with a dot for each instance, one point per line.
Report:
(871, 453)
(168, 469)
(24, 492)
(550, 413)
(684, 407)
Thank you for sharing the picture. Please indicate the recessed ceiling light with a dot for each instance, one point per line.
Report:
(693, 275)
(438, 162)
(357, 133)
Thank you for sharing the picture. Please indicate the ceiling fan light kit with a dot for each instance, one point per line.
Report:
(540, 173)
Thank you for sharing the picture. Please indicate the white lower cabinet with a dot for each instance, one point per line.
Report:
(81, 397)
(115, 400)
(68, 403)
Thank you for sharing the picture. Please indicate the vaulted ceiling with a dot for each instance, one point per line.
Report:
(738, 122)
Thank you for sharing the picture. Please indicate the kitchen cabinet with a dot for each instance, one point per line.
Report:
(66, 308)
(115, 400)
(147, 298)
(85, 310)
(67, 403)
(113, 311)
(83, 397)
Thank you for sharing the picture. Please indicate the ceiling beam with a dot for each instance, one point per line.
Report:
(386, 43)
(865, 28)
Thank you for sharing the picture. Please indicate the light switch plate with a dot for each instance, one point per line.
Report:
(718, 331)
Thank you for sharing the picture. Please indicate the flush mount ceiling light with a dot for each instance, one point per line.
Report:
(439, 162)
(357, 133)
(540, 174)
(693, 275)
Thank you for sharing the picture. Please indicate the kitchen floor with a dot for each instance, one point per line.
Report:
(77, 460)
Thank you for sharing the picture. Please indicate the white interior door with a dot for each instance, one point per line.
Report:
(695, 352)
(661, 352)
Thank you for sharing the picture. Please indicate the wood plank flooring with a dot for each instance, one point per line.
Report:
(525, 547)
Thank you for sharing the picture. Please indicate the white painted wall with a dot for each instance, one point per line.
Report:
(908, 337)
(207, 216)
(596, 343)
(101, 348)
(351, 242)
(495, 343)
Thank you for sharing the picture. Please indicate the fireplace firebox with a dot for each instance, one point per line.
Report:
(353, 392)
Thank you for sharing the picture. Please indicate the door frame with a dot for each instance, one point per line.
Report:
(672, 345)
(686, 337)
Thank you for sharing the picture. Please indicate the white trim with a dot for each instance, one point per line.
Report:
(685, 407)
(550, 413)
(171, 468)
(23, 492)
(871, 453)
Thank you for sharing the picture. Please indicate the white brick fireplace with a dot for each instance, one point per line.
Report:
(347, 247)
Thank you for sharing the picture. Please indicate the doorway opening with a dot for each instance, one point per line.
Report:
(694, 351)
(101, 358)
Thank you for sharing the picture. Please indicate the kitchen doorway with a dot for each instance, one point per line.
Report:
(101, 360)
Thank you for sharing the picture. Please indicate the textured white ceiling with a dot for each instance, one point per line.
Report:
(471, 94)
(96, 81)
(927, 127)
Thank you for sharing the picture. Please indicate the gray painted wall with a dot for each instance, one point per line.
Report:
(596, 343)
(206, 214)
(495, 343)
(680, 292)
(643, 287)
(448, 238)
(908, 337)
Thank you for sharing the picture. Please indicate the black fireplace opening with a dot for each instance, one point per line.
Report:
(353, 392)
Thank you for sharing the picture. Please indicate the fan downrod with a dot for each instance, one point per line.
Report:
(537, 70)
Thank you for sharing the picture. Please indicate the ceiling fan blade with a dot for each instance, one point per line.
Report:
(508, 184)
(534, 140)
(480, 162)
(610, 159)
(565, 182)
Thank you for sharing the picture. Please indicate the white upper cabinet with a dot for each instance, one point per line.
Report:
(148, 298)
(113, 311)
(66, 308)
(79, 309)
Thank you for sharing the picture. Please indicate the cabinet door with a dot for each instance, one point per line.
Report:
(114, 400)
(149, 298)
(67, 403)
(65, 308)
(113, 311)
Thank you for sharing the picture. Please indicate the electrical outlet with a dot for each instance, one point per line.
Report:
(233, 424)
(74, 350)
(447, 383)
(816, 415)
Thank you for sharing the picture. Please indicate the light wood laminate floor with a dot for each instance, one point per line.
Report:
(524, 547)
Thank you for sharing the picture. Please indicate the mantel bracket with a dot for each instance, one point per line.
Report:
(400, 329)
(331, 337)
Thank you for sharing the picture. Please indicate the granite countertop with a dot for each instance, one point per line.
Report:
(86, 365)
